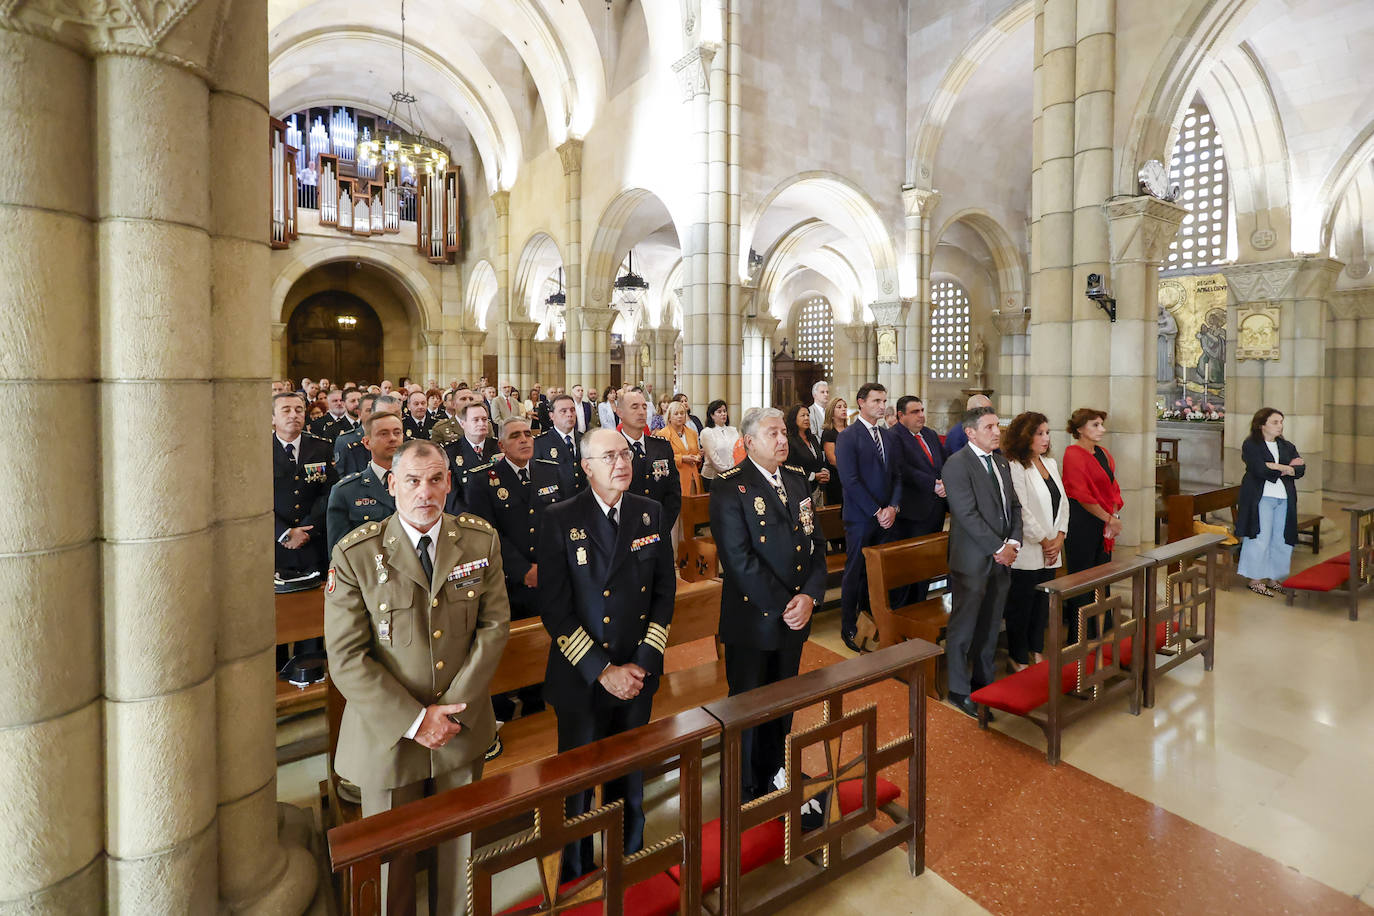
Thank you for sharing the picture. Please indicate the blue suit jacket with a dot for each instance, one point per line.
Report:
(955, 439)
(916, 475)
(868, 481)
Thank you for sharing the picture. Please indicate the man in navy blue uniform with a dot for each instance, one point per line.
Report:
(919, 461)
(302, 475)
(870, 503)
(655, 468)
(476, 447)
(606, 590)
(560, 443)
(773, 556)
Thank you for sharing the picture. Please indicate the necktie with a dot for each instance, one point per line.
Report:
(291, 452)
(639, 450)
(987, 462)
(925, 448)
(525, 475)
(386, 480)
(478, 448)
(572, 449)
(878, 443)
(610, 517)
(426, 563)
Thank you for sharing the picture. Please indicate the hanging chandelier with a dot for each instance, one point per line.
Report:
(630, 288)
(393, 149)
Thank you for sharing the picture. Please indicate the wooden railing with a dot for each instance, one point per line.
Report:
(1361, 553)
(1185, 624)
(828, 686)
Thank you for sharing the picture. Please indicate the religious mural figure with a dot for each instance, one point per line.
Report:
(1211, 335)
(1168, 334)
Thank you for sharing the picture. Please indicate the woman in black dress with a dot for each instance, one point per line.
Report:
(803, 448)
(836, 419)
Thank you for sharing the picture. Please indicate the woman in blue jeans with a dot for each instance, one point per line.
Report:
(1267, 511)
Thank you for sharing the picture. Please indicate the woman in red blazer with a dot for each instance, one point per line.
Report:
(1094, 505)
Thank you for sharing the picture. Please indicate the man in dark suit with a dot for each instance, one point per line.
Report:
(560, 443)
(334, 422)
(773, 558)
(302, 475)
(918, 459)
(584, 411)
(606, 590)
(984, 536)
(475, 448)
(655, 469)
(871, 496)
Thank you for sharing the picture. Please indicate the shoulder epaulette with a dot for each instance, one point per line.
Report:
(548, 461)
(794, 469)
(484, 466)
(475, 522)
(730, 473)
(361, 533)
(347, 477)
(317, 438)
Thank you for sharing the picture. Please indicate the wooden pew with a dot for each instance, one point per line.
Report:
(300, 616)
(1352, 572)
(1185, 625)
(697, 559)
(898, 563)
(1310, 531)
(696, 613)
(832, 526)
(1184, 507)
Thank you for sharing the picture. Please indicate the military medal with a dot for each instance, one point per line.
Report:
(577, 534)
(647, 521)
(384, 629)
(459, 459)
(553, 453)
(805, 517)
(503, 494)
(581, 556)
(758, 505)
(381, 567)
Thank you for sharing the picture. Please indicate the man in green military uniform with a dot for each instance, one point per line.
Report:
(363, 497)
(416, 618)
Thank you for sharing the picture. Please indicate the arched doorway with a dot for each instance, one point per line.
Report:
(335, 335)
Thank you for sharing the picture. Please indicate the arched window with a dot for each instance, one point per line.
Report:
(1199, 169)
(949, 331)
(816, 332)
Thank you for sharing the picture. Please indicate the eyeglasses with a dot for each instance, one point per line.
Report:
(610, 458)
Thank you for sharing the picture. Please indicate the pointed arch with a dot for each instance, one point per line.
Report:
(481, 292)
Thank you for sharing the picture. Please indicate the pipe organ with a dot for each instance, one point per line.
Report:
(329, 190)
(282, 228)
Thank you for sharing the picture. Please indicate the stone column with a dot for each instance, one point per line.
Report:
(433, 340)
(693, 71)
(570, 154)
(861, 342)
(919, 204)
(663, 343)
(521, 333)
(470, 346)
(1298, 288)
(1015, 388)
(890, 321)
(51, 829)
(279, 350)
(596, 346)
(1349, 418)
(764, 327)
(501, 265)
(1052, 206)
(1141, 231)
(548, 367)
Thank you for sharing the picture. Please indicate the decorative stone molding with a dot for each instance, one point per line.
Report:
(693, 70)
(1257, 333)
(889, 313)
(522, 330)
(597, 319)
(1142, 228)
(857, 333)
(278, 331)
(766, 325)
(1289, 278)
(570, 154)
(501, 201)
(432, 338)
(1010, 323)
(472, 337)
(920, 202)
(1347, 304)
(179, 32)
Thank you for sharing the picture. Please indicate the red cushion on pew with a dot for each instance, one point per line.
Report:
(852, 794)
(1161, 635)
(1321, 578)
(1026, 690)
(760, 845)
(656, 896)
(1338, 560)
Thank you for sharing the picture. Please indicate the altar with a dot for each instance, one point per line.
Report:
(1199, 451)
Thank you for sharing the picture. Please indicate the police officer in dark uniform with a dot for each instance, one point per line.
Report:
(417, 420)
(606, 590)
(772, 554)
(476, 447)
(350, 455)
(301, 477)
(363, 497)
(560, 444)
(655, 471)
(336, 421)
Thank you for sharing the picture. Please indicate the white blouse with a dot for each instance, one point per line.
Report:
(1274, 488)
(718, 448)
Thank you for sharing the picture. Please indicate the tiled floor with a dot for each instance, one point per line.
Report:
(1247, 789)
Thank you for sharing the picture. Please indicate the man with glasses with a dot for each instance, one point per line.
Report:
(606, 590)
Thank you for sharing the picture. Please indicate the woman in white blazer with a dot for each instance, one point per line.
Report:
(1044, 522)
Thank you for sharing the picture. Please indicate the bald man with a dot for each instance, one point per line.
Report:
(956, 438)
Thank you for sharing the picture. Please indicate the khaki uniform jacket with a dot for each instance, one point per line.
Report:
(397, 644)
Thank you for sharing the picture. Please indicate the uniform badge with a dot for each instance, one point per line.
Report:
(549, 490)
(503, 494)
(581, 556)
(759, 505)
(646, 518)
(492, 479)
(577, 534)
(742, 490)
(315, 471)
(384, 629)
(380, 560)
(462, 570)
(329, 582)
(805, 516)
(459, 459)
(553, 453)
(660, 468)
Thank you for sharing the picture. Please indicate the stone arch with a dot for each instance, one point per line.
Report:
(839, 202)
(423, 304)
(608, 247)
(539, 256)
(1009, 267)
(481, 292)
(984, 45)
(1353, 160)
(1172, 83)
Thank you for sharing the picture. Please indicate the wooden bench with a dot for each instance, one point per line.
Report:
(697, 558)
(300, 616)
(832, 526)
(696, 613)
(1184, 508)
(899, 563)
(1352, 572)
(1166, 485)
(1310, 531)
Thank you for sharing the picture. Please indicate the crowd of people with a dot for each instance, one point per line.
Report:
(565, 507)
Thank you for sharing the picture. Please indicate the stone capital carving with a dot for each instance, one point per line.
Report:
(501, 201)
(766, 325)
(570, 154)
(1347, 304)
(664, 337)
(920, 202)
(472, 337)
(857, 333)
(889, 312)
(548, 348)
(1009, 323)
(1142, 228)
(278, 331)
(522, 330)
(1288, 278)
(693, 70)
(180, 32)
(432, 338)
(596, 319)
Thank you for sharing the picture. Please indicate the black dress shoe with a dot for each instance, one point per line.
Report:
(848, 640)
(965, 705)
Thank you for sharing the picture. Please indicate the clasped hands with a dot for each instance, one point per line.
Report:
(297, 537)
(887, 516)
(1051, 547)
(440, 725)
(624, 682)
(1007, 555)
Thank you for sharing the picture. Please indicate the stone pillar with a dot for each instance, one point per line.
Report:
(1141, 230)
(523, 375)
(1349, 421)
(502, 311)
(1298, 288)
(433, 349)
(51, 829)
(548, 367)
(471, 344)
(570, 154)
(1012, 399)
(693, 71)
(279, 350)
(890, 321)
(759, 390)
(861, 346)
(595, 357)
(1052, 206)
(919, 204)
(663, 342)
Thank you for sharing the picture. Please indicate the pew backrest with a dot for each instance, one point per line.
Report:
(1184, 507)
